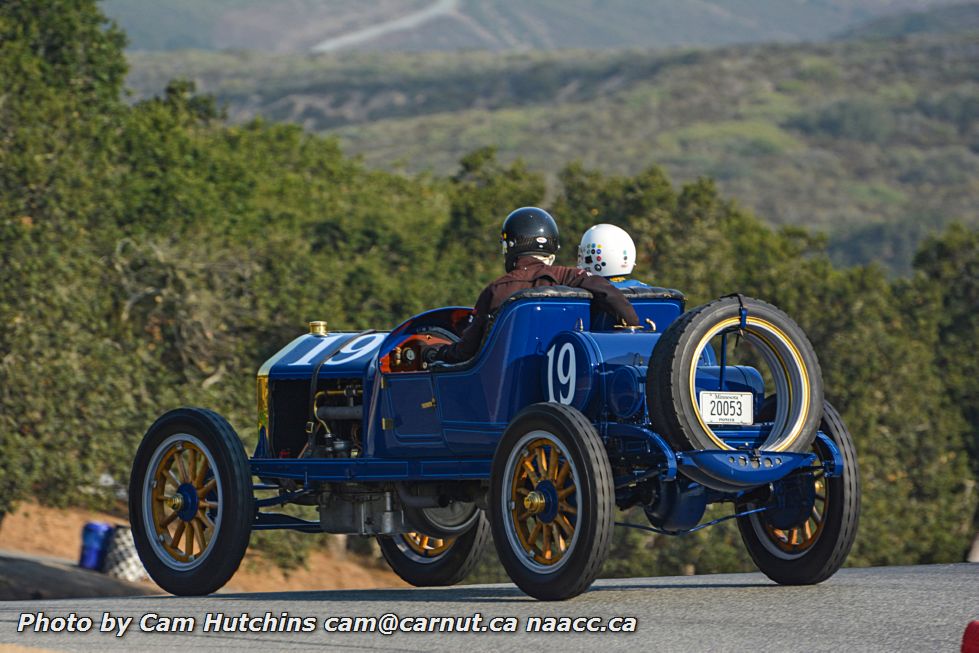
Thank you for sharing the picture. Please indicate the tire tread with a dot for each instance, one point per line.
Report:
(236, 524)
(817, 564)
(595, 458)
(458, 563)
(666, 393)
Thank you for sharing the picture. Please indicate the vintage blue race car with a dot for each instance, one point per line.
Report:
(558, 420)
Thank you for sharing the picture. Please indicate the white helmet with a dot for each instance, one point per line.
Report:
(607, 250)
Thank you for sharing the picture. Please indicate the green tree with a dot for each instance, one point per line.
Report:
(483, 192)
(947, 288)
(61, 70)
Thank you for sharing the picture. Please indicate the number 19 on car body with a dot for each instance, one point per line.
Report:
(561, 373)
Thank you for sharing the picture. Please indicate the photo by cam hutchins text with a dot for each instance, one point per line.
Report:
(151, 622)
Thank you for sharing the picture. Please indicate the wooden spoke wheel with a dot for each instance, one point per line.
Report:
(798, 540)
(813, 549)
(185, 500)
(551, 501)
(543, 500)
(429, 561)
(190, 501)
(424, 546)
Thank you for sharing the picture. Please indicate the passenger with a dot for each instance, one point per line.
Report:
(530, 242)
(608, 251)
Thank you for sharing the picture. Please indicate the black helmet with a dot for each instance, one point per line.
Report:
(528, 230)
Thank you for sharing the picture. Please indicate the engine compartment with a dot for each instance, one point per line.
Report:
(332, 429)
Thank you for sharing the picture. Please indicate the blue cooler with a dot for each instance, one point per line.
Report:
(95, 541)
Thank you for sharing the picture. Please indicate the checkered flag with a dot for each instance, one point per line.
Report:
(121, 559)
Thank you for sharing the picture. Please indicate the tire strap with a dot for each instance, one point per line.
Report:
(742, 311)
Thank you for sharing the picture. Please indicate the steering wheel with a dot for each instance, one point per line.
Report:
(408, 356)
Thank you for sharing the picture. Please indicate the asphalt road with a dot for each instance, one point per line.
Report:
(924, 608)
(40, 578)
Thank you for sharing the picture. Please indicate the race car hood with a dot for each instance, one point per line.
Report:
(355, 351)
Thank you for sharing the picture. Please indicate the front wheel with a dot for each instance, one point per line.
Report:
(190, 501)
(815, 548)
(552, 501)
(429, 561)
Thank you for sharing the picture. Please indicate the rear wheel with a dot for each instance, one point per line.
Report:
(552, 502)
(813, 549)
(429, 561)
(190, 501)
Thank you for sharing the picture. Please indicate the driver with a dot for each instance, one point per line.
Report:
(530, 242)
(608, 251)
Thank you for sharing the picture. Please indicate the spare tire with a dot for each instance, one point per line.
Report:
(670, 383)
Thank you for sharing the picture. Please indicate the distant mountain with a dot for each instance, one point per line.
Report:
(266, 25)
(496, 25)
(874, 142)
(940, 20)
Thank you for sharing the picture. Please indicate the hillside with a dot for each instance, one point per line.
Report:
(875, 143)
(499, 25)
(941, 20)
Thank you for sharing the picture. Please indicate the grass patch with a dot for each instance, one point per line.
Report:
(876, 193)
(743, 137)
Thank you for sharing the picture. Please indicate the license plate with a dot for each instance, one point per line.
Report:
(726, 407)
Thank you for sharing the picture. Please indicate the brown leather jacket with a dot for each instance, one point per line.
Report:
(531, 273)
